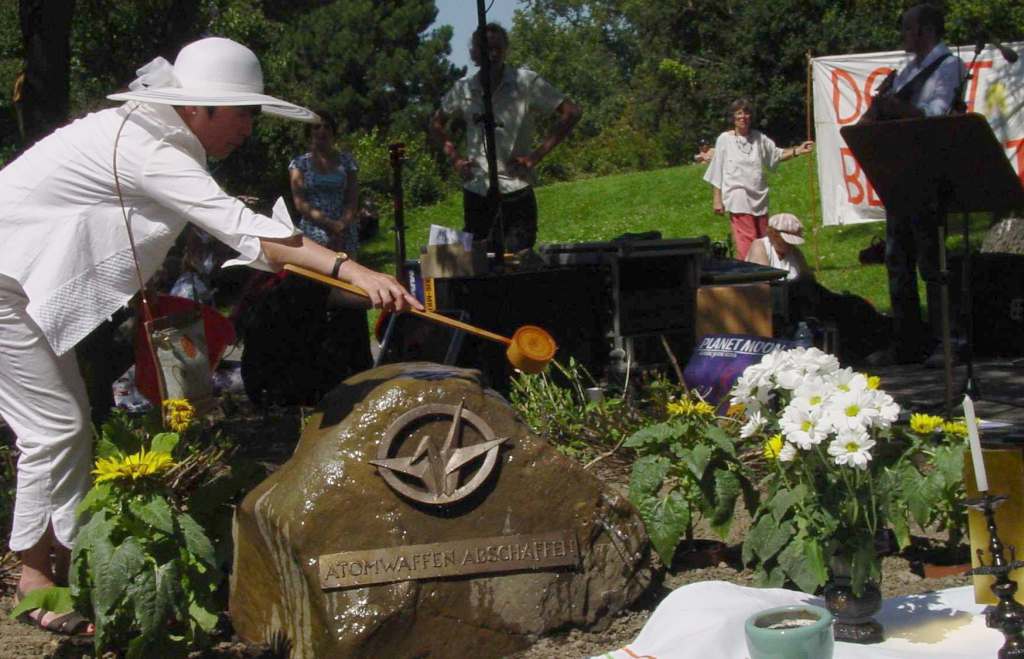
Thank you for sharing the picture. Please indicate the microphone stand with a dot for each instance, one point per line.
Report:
(497, 232)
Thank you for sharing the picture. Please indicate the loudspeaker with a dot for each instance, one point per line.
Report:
(997, 304)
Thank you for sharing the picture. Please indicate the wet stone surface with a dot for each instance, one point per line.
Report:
(329, 499)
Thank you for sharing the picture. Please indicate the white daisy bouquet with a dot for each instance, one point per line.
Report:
(824, 431)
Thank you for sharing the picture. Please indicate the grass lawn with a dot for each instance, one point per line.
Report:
(677, 202)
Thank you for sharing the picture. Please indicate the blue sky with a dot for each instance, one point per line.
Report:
(461, 15)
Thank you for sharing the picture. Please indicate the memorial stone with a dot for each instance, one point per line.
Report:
(419, 517)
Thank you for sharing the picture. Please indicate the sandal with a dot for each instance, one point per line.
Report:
(71, 623)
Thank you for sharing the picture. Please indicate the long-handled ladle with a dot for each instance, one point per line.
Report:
(530, 349)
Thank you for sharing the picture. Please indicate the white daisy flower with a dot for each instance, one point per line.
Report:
(852, 448)
(802, 424)
(852, 410)
(755, 421)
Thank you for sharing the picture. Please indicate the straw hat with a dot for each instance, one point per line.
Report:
(209, 72)
(789, 227)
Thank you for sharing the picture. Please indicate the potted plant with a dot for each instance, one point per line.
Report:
(689, 465)
(825, 433)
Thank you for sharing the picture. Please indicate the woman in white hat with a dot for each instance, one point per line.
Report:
(66, 263)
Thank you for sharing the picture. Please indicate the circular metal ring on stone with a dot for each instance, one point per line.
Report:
(437, 467)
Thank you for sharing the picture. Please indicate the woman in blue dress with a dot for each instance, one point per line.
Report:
(325, 189)
(335, 338)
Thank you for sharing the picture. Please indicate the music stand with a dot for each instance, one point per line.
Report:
(951, 163)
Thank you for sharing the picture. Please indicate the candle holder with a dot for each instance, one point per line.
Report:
(1007, 616)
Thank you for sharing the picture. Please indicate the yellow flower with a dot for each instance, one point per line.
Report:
(874, 381)
(772, 447)
(687, 407)
(133, 467)
(178, 414)
(678, 408)
(925, 424)
(735, 410)
(956, 428)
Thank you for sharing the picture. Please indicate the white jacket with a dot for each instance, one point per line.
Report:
(62, 233)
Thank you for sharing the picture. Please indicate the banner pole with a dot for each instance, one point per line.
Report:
(811, 183)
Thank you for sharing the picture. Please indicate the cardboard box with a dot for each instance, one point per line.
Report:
(452, 261)
(734, 309)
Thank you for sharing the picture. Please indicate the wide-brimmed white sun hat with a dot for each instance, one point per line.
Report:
(209, 72)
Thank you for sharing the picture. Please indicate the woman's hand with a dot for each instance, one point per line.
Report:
(348, 217)
(463, 167)
(384, 290)
(806, 147)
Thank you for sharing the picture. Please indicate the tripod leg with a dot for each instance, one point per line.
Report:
(947, 353)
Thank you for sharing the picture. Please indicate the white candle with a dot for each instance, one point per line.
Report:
(972, 437)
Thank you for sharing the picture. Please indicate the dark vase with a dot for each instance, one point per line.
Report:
(854, 621)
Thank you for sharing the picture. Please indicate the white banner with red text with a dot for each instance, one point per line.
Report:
(843, 87)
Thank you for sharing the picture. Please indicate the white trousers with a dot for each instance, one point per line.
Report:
(43, 399)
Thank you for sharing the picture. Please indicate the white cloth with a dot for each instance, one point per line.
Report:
(518, 96)
(737, 169)
(706, 620)
(936, 95)
(62, 235)
(792, 266)
(43, 399)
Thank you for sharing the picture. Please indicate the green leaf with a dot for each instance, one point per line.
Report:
(55, 598)
(784, 500)
(666, 521)
(751, 497)
(107, 449)
(204, 617)
(169, 594)
(118, 431)
(114, 577)
(721, 439)
(864, 565)
(95, 499)
(156, 512)
(138, 648)
(164, 442)
(949, 462)
(108, 585)
(727, 490)
(793, 560)
(196, 541)
(698, 460)
(659, 433)
(814, 554)
(901, 529)
(919, 494)
(142, 593)
(768, 537)
(646, 478)
(775, 578)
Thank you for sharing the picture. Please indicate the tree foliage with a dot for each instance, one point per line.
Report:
(654, 78)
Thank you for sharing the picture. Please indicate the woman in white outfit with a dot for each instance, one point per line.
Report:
(66, 264)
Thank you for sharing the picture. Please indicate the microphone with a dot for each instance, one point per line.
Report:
(1008, 53)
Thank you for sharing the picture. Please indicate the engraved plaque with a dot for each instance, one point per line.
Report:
(506, 553)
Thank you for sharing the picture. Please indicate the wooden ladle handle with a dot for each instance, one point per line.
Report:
(430, 315)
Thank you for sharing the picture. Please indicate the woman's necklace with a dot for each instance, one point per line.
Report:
(743, 144)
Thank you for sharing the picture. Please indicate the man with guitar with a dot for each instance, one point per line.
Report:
(929, 85)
